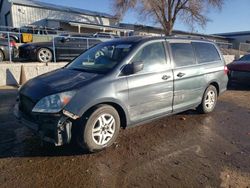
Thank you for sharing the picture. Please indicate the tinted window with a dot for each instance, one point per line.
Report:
(152, 56)
(183, 54)
(206, 52)
(245, 58)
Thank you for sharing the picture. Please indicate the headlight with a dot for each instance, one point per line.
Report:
(53, 103)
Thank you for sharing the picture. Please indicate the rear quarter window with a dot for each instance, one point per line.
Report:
(206, 52)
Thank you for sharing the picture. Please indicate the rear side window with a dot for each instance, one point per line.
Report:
(183, 54)
(206, 52)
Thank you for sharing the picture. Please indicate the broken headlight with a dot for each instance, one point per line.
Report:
(53, 103)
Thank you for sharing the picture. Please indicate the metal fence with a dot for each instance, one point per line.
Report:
(244, 48)
(55, 47)
(31, 29)
(55, 43)
(225, 45)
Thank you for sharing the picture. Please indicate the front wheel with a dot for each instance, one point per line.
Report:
(209, 100)
(44, 55)
(100, 129)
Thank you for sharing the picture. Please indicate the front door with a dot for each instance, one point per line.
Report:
(62, 46)
(151, 90)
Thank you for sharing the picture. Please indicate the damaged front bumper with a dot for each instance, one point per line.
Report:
(58, 130)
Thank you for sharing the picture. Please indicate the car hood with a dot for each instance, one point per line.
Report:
(239, 66)
(55, 82)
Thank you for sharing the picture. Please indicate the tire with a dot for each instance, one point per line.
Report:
(1, 56)
(96, 133)
(209, 100)
(44, 55)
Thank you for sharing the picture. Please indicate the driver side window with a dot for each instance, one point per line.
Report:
(153, 57)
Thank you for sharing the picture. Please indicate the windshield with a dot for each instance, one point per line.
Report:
(101, 58)
(245, 58)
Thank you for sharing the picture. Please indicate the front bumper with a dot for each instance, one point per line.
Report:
(27, 54)
(56, 131)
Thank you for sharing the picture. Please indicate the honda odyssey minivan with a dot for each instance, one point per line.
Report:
(121, 83)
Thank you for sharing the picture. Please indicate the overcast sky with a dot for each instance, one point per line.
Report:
(235, 15)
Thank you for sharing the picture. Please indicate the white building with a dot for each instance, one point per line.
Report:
(19, 13)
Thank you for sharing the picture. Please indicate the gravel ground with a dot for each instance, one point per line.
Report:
(184, 150)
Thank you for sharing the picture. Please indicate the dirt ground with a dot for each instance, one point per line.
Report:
(184, 150)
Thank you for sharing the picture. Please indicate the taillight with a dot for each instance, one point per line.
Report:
(226, 70)
(12, 44)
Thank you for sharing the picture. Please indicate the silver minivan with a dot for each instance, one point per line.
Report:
(121, 83)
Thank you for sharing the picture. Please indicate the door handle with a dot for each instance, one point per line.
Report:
(166, 77)
(180, 74)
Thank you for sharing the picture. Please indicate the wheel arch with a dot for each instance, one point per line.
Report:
(46, 47)
(15, 38)
(213, 83)
(116, 106)
(1, 51)
(216, 85)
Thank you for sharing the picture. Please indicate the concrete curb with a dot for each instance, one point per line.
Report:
(10, 73)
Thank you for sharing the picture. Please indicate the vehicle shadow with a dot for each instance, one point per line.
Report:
(30, 145)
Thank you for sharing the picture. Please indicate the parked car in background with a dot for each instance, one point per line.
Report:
(13, 36)
(16, 34)
(6, 48)
(239, 70)
(105, 35)
(121, 83)
(66, 49)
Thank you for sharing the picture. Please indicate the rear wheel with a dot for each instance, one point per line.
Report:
(1, 56)
(44, 55)
(209, 100)
(100, 129)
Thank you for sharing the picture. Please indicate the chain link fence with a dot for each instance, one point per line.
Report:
(18, 45)
(244, 48)
(230, 49)
(226, 48)
(26, 47)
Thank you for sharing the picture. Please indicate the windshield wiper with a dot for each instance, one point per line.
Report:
(85, 70)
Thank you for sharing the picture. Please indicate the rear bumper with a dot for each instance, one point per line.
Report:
(239, 76)
(14, 53)
(58, 132)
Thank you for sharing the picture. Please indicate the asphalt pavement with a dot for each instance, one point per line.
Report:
(184, 150)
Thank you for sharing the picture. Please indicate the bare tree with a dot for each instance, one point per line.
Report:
(166, 12)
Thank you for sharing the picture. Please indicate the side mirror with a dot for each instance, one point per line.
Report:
(133, 68)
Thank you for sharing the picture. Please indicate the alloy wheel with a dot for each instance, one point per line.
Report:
(210, 100)
(44, 55)
(104, 129)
